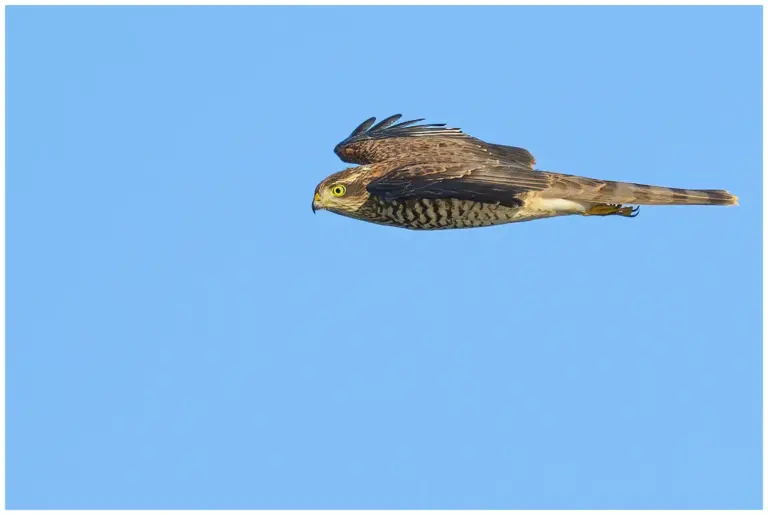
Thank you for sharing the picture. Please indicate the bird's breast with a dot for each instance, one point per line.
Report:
(424, 213)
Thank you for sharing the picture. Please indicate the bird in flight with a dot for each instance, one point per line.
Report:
(430, 176)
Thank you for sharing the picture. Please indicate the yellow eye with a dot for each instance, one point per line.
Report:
(339, 190)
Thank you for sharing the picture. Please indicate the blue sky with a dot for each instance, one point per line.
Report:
(184, 333)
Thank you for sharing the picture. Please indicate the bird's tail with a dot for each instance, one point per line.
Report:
(612, 192)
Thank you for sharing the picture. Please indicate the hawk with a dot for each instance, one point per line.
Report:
(430, 176)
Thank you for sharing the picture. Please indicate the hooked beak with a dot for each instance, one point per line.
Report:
(316, 203)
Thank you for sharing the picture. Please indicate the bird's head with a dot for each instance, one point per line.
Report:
(343, 192)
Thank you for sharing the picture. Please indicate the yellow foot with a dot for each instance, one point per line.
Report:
(612, 209)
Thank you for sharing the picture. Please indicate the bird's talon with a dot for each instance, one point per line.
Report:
(612, 209)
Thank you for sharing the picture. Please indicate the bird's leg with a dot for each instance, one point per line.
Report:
(612, 209)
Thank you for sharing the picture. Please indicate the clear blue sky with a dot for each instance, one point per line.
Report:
(184, 333)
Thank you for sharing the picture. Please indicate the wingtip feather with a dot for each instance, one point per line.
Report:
(363, 126)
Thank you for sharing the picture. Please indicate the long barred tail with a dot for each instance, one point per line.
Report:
(631, 193)
(611, 192)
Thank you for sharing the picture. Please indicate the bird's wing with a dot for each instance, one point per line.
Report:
(385, 140)
(482, 182)
(507, 184)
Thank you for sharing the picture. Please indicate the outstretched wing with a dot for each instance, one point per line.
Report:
(508, 184)
(481, 182)
(385, 140)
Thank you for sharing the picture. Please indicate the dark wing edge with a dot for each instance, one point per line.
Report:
(387, 128)
(357, 147)
(496, 184)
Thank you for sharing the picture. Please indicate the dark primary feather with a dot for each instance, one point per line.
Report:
(384, 124)
(363, 127)
(370, 143)
(386, 129)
